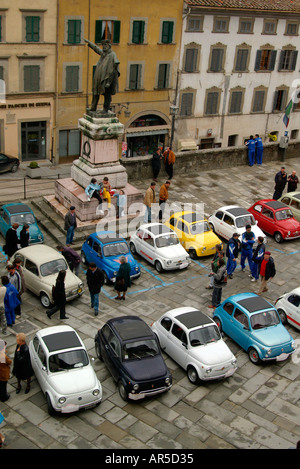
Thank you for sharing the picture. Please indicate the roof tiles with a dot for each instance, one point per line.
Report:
(258, 5)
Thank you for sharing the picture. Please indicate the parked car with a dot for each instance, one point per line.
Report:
(105, 248)
(233, 219)
(193, 340)
(254, 324)
(22, 214)
(194, 233)
(160, 246)
(132, 354)
(276, 219)
(288, 307)
(292, 199)
(41, 265)
(63, 369)
(8, 163)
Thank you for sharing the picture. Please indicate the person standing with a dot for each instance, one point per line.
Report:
(258, 255)
(95, 280)
(280, 182)
(93, 190)
(259, 149)
(3, 323)
(15, 279)
(219, 254)
(121, 203)
(70, 225)
(251, 150)
(163, 197)
(220, 281)
(267, 271)
(72, 257)
(17, 264)
(22, 368)
(169, 157)
(59, 297)
(5, 363)
(24, 236)
(248, 239)
(149, 199)
(232, 252)
(123, 280)
(11, 300)
(106, 191)
(156, 163)
(11, 241)
(292, 182)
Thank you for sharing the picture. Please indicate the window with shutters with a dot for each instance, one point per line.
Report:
(280, 99)
(221, 25)
(107, 29)
(194, 24)
(135, 76)
(31, 78)
(212, 101)
(217, 57)
(191, 58)
(292, 29)
(265, 60)
(32, 28)
(187, 103)
(4, 76)
(269, 27)
(241, 62)
(72, 78)
(167, 31)
(287, 60)
(163, 79)
(138, 32)
(259, 100)
(246, 25)
(236, 101)
(74, 31)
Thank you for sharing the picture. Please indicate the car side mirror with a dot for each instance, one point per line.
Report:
(44, 368)
(185, 345)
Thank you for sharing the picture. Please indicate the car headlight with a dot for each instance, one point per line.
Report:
(294, 345)
(204, 248)
(136, 269)
(188, 258)
(289, 233)
(208, 370)
(169, 262)
(234, 362)
(268, 352)
(96, 392)
(135, 387)
(115, 273)
(62, 400)
(168, 381)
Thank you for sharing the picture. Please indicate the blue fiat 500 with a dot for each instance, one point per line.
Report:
(254, 324)
(22, 214)
(105, 248)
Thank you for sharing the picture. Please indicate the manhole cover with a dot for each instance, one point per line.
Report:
(24, 326)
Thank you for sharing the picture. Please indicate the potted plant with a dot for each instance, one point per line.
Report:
(32, 170)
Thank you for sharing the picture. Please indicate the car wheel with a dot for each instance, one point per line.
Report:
(51, 410)
(106, 279)
(218, 322)
(132, 248)
(212, 227)
(122, 391)
(158, 266)
(278, 237)
(192, 253)
(192, 375)
(253, 356)
(45, 300)
(98, 351)
(14, 168)
(83, 258)
(282, 316)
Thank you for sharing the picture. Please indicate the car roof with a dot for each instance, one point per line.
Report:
(296, 195)
(130, 327)
(157, 228)
(107, 237)
(275, 204)
(237, 211)
(189, 217)
(38, 252)
(255, 303)
(17, 208)
(193, 319)
(60, 338)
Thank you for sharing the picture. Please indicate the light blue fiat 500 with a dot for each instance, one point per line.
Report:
(254, 324)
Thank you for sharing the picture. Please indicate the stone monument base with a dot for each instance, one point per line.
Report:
(82, 173)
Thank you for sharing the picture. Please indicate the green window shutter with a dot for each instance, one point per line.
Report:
(31, 78)
(116, 33)
(212, 103)
(167, 32)
(32, 28)
(236, 102)
(98, 31)
(138, 29)
(163, 76)
(191, 56)
(72, 78)
(74, 31)
(186, 104)
(135, 77)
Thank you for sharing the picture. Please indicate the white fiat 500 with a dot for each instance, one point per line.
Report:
(41, 265)
(288, 307)
(193, 340)
(62, 367)
(160, 246)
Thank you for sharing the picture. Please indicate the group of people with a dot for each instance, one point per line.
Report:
(260, 261)
(11, 288)
(150, 198)
(14, 241)
(169, 159)
(281, 179)
(255, 150)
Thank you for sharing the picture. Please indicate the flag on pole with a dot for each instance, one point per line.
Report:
(286, 117)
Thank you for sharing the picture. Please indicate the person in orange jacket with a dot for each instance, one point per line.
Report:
(169, 158)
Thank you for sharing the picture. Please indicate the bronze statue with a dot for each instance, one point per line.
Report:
(106, 74)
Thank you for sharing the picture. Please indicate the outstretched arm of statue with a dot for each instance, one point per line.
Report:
(93, 46)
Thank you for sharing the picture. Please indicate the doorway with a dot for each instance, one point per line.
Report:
(33, 140)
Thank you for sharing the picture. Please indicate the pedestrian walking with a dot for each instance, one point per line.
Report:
(11, 241)
(214, 265)
(5, 363)
(22, 368)
(70, 225)
(232, 252)
(11, 300)
(15, 279)
(259, 149)
(163, 197)
(267, 271)
(72, 257)
(169, 158)
(280, 182)
(149, 199)
(59, 297)
(121, 203)
(248, 239)
(3, 322)
(257, 257)
(251, 150)
(95, 280)
(123, 280)
(24, 236)
(292, 182)
(93, 190)
(220, 281)
(156, 163)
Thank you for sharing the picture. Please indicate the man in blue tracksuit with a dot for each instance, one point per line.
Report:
(251, 150)
(232, 252)
(258, 255)
(259, 149)
(248, 239)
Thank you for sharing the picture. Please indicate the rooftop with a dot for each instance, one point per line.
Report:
(257, 5)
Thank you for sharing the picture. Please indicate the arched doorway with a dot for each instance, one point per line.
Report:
(145, 133)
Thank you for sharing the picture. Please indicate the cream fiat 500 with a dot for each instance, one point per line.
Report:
(41, 265)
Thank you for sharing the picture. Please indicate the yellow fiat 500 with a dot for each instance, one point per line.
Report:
(194, 233)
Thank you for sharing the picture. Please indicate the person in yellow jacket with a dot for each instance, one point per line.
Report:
(169, 159)
(149, 199)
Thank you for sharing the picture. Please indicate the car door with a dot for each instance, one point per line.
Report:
(138, 240)
(228, 227)
(4, 163)
(32, 278)
(177, 344)
(295, 207)
(240, 330)
(39, 363)
(164, 326)
(96, 253)
(111, 351)
(88, 251)
(217, 221)
(148, 247)
(268, 220)
(182, 231)
(293, 309)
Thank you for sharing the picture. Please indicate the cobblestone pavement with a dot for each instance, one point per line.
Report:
(258, 407)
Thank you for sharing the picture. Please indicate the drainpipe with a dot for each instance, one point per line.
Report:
(55, 114)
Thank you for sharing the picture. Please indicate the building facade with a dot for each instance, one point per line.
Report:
(238, 68)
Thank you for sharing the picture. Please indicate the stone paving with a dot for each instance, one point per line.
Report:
(257, 408)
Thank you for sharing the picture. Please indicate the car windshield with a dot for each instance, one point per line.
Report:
(283, 214)
(68, 360)
(140, 349)
(166, 240)
(115, 249)
(204, 335)
(22, 219)
(53, 267)
(264, 319)
(199, 227)
(241, 222)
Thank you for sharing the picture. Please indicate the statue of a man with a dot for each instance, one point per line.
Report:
(106, 74)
